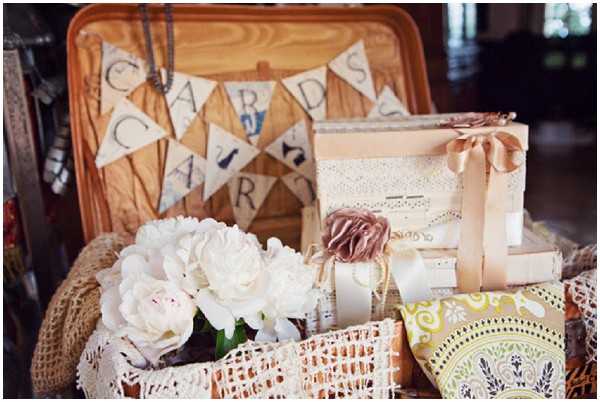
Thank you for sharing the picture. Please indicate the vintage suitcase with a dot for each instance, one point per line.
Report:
(225, 43)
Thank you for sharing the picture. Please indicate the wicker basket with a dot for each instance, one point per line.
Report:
(367, 361)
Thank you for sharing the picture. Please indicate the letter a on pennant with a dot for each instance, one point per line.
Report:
(185, 99)
(247, 192)
(310, 90)
(353, 67)
(293, 149)
(226, 155)
(122, 72)
(388, 105)
(129, 129)
(251, 101)
(301, 186)
(184, 171)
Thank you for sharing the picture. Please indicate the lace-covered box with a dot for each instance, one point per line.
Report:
(534, 261)
(398, 168)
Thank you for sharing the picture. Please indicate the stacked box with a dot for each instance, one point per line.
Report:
(398, 169)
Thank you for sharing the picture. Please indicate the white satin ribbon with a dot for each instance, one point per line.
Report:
(410, 275)
(354, 284)
(353, 294)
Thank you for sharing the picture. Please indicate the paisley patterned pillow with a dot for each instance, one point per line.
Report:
(505, 344)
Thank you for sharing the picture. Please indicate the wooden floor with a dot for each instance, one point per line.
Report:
(561, 179)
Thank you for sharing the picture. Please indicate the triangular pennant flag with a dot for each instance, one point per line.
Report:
(301, 186)
(251, 101)
(310, 90)
(293, 149)
(388, 105)
(352, 66)
(129, 129)
(122, 72)
(226, 156)
(186, 98)
(247, 192)
(184, 171)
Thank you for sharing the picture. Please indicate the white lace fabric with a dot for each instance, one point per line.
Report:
(582, 290)
(356, 362)
(412, 175)
(421, 189)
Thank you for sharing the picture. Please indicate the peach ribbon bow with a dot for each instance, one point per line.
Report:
(482, 252)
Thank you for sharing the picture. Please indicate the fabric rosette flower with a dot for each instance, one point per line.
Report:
(355, 235)
(236, 278)
(290, 294)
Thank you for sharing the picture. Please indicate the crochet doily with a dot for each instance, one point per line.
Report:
(582, 290)
(356, 362)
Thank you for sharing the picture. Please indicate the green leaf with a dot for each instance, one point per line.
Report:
(224, 345)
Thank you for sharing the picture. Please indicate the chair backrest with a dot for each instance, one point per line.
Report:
(226, 43)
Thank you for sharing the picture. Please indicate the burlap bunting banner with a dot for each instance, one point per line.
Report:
(247, 192)
(184, 171)
(388, 105)
(251, 100)
(122, 72)
(226, 155)
(130, 129)
(185, 99)
(310, 90)
(353, 67)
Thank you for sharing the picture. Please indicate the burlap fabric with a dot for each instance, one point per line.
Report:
(71, 317)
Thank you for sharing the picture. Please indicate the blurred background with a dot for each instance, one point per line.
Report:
(538, 60)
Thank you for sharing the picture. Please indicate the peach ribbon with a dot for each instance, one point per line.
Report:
(482, 252)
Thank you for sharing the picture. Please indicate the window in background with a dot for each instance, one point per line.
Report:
(564, 19)
(462, 23)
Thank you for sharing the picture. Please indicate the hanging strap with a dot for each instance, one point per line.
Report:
(153, 74)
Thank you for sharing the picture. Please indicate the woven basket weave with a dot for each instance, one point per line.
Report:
(71, 317)
(73, 314)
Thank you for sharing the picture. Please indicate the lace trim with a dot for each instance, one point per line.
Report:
(322, 366)
(405, 175)
(582, 290)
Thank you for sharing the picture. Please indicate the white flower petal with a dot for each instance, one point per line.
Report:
(109, 277)
(218, 316)
(109, 307)
(134, 265)
(265, 335)
(254, 321)
(246, 308)
(286, 330)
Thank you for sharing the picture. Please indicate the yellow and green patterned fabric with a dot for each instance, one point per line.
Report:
(504, 344)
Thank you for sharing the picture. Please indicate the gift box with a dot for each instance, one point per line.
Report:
(534, 261)
(419, 172)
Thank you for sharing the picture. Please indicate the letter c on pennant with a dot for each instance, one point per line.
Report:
(115, 130)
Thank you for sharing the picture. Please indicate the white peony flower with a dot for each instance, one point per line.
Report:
(158, 233)
(138, 302)
(234, 268)
(290, 294)
(181, 264)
